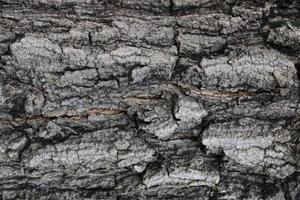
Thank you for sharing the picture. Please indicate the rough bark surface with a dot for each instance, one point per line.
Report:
(152, 99)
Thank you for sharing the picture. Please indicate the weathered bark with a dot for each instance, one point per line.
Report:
(152, 99)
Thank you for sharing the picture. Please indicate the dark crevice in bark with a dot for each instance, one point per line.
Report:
(202, 127)
(171, 9)
(297, 67)
(174, 100)
(285, 50)
(178, 68)
(18, 109)
(90, 39)
(136, 120)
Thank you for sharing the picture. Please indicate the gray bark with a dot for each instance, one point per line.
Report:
(153, 99)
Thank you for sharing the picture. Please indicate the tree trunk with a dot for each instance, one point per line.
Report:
(152, 99)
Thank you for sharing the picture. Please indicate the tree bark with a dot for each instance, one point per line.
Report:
(152, 99)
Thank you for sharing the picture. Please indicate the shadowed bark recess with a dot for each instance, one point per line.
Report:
(152, 99)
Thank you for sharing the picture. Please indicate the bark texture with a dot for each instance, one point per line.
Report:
(152, 99)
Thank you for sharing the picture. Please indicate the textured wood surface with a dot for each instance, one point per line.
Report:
(149, 99)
